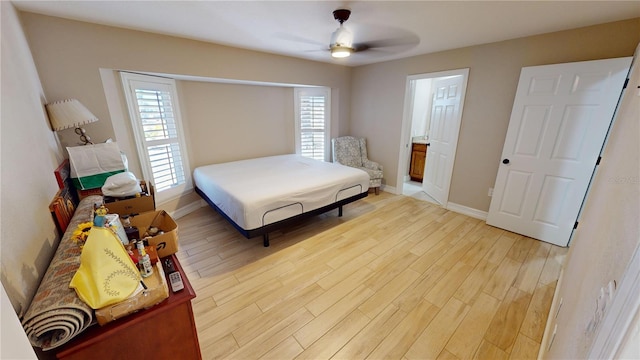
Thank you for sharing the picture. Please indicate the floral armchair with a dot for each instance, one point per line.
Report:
(352, 151)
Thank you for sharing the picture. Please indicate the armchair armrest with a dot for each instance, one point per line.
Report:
(371, 164)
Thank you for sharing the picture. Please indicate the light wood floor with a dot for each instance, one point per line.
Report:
(394, 278)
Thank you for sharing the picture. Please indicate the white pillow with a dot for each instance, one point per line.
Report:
(121, 185)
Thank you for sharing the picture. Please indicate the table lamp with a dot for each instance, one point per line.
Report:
(70, 113)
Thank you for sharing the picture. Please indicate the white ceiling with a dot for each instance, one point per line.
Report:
(303, 28)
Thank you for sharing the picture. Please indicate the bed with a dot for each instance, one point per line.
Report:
(258, 196)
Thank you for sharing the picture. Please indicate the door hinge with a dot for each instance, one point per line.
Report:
(575, 226)
(598, 161)
(626, 82)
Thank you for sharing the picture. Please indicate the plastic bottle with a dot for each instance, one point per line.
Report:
(144, 261)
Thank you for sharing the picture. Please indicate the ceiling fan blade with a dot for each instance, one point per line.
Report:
(405, 41)
(360, 47)
(378, 51)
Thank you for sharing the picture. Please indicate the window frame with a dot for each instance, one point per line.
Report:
(313, 91)
(129, 80)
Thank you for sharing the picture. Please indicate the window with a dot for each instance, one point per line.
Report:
(312, 122)
(155, 119)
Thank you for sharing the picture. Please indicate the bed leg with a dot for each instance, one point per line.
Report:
(340, 211)
(265, 240)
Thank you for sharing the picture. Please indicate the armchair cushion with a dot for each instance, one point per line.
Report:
(346, 151)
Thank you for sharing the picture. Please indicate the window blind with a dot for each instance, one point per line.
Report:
(312, 126)
(161, 137)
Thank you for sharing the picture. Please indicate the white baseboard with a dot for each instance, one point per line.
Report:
(549, 330)
(185, 210)
(464, 210)
(389, 189)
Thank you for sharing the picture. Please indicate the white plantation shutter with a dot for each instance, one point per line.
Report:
(155, 118)
(312, 125)
(312, 120)
(161, 137)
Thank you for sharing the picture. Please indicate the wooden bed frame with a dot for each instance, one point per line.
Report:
(266, 229)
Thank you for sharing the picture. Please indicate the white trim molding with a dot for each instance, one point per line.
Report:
(188, 209)
(618, 319)
(389, 189)
(465, 210)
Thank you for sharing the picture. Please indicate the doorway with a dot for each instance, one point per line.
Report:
(430, 126)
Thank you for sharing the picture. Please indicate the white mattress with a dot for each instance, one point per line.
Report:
(258, 192)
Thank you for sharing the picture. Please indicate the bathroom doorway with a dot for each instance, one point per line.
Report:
(431, 123)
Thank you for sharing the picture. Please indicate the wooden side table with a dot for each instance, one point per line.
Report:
(164, 331)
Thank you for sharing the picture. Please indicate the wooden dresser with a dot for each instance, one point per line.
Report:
(164, 331)
(418, 159)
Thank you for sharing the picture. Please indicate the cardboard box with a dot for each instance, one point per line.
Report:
(167, 243)
(134, 205)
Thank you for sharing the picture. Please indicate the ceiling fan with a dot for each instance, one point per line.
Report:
(342, 44)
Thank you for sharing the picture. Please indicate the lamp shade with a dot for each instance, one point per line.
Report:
(66, 114)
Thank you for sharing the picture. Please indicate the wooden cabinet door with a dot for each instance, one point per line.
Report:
(418, 157)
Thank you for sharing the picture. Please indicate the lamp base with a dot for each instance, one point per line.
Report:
(86, 139)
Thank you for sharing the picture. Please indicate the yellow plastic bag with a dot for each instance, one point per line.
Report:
(106, 275)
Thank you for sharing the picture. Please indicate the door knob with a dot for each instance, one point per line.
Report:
(505, 161)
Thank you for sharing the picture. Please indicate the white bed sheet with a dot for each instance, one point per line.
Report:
(261, 191)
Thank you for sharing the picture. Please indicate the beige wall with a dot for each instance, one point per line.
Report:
(233, 122)
(378, 97)
(29, 154)
(70, 55)
(223, 122)
(607, 236)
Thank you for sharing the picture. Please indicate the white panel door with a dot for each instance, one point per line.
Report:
(560, 117)
(443, 137)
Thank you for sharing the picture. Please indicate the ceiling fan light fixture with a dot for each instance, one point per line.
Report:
(342, 37)
(339, 51)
